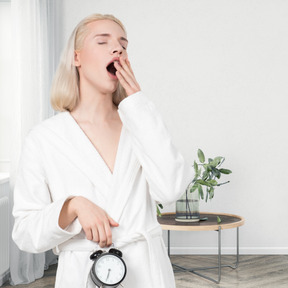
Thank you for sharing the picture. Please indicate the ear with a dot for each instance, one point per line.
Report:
(77, 58)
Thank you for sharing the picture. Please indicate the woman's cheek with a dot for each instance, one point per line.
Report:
(124, 55)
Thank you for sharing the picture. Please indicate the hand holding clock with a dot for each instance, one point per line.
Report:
(95, 222)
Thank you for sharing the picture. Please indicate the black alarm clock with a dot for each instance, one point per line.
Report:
(109, 269)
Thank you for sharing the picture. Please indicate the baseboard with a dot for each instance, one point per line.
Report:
(229, 250)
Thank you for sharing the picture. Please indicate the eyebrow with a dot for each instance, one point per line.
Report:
(108, 35)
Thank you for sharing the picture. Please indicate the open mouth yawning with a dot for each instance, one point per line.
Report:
(111, 68)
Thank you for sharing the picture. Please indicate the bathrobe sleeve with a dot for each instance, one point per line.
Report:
(165, 169)
(36, 226)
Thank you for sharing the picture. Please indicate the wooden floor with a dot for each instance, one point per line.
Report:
(254, 271)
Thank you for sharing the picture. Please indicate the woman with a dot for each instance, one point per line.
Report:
(91, 175)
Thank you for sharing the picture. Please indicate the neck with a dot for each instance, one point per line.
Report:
(94, 107)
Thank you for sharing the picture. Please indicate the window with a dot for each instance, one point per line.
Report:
(6, 110)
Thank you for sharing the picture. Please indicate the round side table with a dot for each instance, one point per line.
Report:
(228, 221)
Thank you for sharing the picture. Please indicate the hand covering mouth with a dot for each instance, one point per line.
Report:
(111, 68)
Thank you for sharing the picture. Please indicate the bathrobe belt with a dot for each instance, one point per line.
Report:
(87, 245)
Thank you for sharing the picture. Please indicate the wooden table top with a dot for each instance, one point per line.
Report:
(168, 222)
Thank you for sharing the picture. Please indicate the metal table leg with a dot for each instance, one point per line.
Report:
(219, 266)
(169, 243)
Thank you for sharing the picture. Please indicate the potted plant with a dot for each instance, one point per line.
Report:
(187, 207)
(206, 178)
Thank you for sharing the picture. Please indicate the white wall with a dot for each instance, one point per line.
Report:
(217, 70)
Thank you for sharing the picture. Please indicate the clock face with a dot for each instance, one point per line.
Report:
(110, 269)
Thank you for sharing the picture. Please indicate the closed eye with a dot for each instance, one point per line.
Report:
(101, 43)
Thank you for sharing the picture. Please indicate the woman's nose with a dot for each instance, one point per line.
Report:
(117, 48)
(117, 51)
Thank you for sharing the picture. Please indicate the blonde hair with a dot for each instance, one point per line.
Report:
(65, 87)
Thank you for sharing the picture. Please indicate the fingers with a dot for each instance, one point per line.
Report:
(89, 234)
(95, 222)
(108, 234)
(101, 232)
(102, 236)
(126, 76)
(126, 67)
(129, 65)
(112, 222)
(104, 232)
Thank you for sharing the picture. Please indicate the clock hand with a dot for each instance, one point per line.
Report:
(108, 274)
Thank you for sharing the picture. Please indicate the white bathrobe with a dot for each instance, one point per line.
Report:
(58, 161)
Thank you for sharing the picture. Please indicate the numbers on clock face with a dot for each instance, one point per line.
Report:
(110, 269)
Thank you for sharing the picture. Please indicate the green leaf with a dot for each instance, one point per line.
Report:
(195, 167)
(207, 193)
(194, 187)
(201, 156)
(158, 211)
(216, 172)
(225, 171)
(160, 205)
(213, 182)
(202, 182)
(200, 190)
(218, 160)
(205, 175)
(219, 220)
(211, 193)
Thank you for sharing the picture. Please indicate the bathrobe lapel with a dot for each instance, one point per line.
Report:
(71, 141)
(116, 187)
(126, 170)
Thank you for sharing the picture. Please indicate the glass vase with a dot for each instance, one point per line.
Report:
(187, 207)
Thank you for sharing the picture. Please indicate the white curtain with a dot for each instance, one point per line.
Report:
(33, 47)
